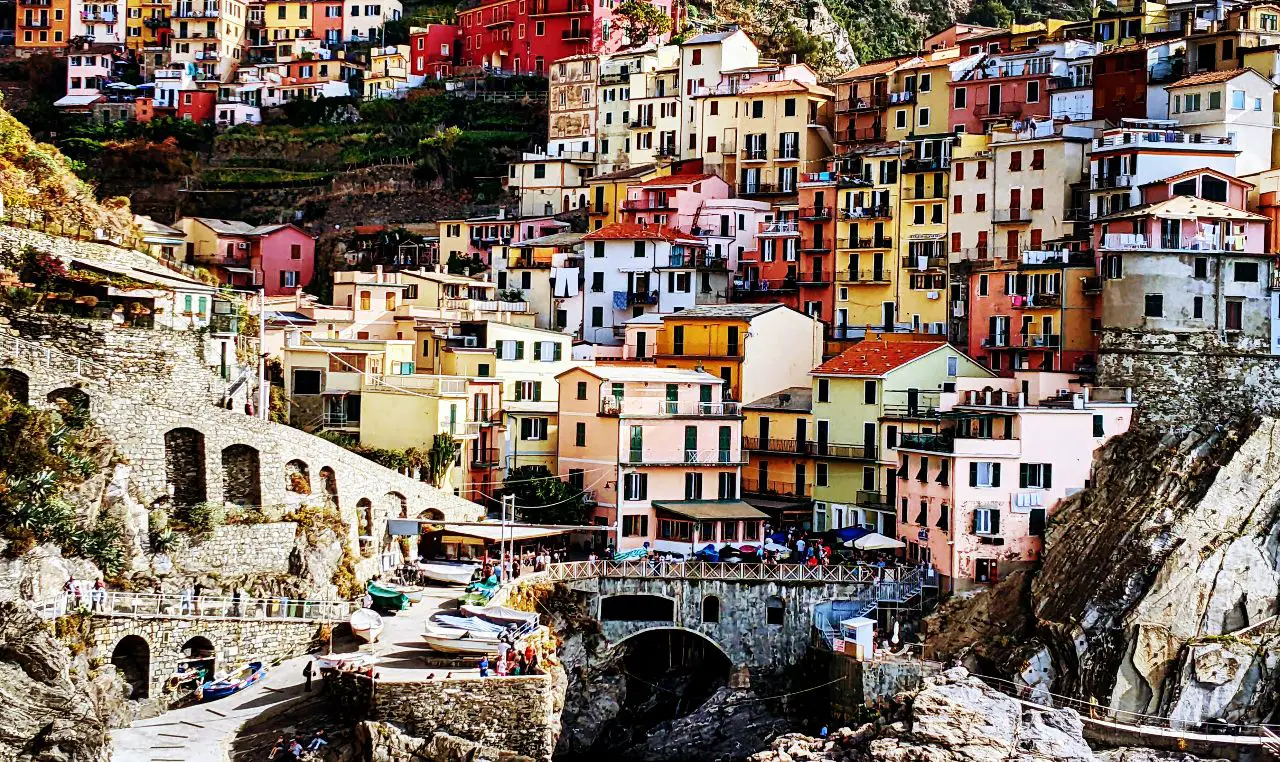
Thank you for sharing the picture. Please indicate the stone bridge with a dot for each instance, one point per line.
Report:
(191, 452)
(760, 617)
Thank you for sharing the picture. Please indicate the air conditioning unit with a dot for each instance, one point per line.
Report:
(932, 294)
(242, 245)
(470, 341)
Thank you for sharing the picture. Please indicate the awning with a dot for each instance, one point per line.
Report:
(877, 541)
(244, 270)
(496, 532)
(799, 505)
(77, 100)
(699, 510)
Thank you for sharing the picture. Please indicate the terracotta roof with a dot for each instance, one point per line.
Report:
(934, 58)
(786, 86)
(874, 68)
(1184, 207)
(675, 180)
(1207, 78)
(1134, 47)
(629, 231)
(1193, 173)
(875, 358)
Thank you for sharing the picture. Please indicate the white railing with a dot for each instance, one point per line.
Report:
(659, 406)
(116, 603)
(485, 305)
(422, 383)
(711, 456)
(656, 568)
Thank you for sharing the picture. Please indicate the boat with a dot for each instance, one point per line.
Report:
(387, 599)
(448, 574)
(366, 624)
(353, 660)
(412, 592)
(472, 624)
(242, 678)
(457, 641)
(502, 615)
(635, 554)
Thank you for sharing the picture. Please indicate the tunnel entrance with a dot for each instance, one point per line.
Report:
(132, 656)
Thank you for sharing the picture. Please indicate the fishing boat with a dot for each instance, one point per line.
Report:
(457, 641)
(353, 660)
(387, 599)
(502, 615)
(366, 624)
(448, 574)
(242, 678)
(412, 592)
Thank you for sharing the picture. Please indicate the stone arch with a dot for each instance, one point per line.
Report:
(711, 610)
(198, 647)
(660, 628)
(397, 505)
(297, 477)
(241, 475)
(71, 403)
(774, 610)
(329, 482)
(434, 514)
(364, 524)
(132, 656)
(637, 607)
(184, 466)
(16, 384)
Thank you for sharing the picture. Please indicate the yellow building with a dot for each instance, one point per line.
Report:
(921, 288)
(918, 98)
(1129, 21)
(756, 348)
(778, 477)
(782, 128)
(210, 37)
(608, 191)
(324, 379)
(388, 72)
(143, 20)
(860, 398)
(866, 277)
(287, 21)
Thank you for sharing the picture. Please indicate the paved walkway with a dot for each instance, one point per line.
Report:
(204, 732)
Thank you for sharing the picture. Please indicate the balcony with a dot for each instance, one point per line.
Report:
(636, 298)
(1092, 284)
(1103, 182)
(869, 103)
(1011, 216)
(926, 164)
(1137, 241)
(653, 203)
(192, 12)
(660, 407)
(576, 35)
(529, 261)
(755, 154)
(815, 278)
(842, 451)
(929, 261)
(921, 404)
(1036, 301)
(484, 457)
(1167, 137)
(880, 212)
(870, 243)
(1033, 258)
(1031, 340)
(155, 23)
(874, 500)
(815, 213)
(614, 78)
(108, 17)
(569, 8)
(780, 227)
(772, 444)
(788, 153)
(996, 111)
(927, 193)
(35, 23)
(861, 135)
(463, 429)
(683, 458)
(947, 442)
(641, 124)
(776, 487)
(862, 276)
(766, 286)
(763, 189)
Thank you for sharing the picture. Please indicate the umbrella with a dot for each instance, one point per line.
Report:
(774, 547)
(777, 537)
(875, 541)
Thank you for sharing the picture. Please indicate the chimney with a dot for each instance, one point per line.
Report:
(377, 271)
(793, 59)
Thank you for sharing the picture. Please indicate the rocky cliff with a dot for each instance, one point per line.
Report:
(1178, 540)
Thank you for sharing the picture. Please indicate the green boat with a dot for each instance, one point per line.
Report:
(386, 599)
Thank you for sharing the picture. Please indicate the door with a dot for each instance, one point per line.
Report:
(890, 318)
(704, 397)
(823, 428)
(802, 436)
(690, 444)
(869, 439)
(913, 401)
(637, 443)
(1015, 203)
(732, 344)
(764, 432)
(726, 443)
(642, 349)
(673, 399)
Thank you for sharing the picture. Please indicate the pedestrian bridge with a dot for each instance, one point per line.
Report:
(760, 616)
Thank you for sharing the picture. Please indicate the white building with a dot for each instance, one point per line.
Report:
(1238, 104)
(101, 21)
(362, 20)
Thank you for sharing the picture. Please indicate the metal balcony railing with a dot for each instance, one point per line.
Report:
(1019, 214)
(862, 276)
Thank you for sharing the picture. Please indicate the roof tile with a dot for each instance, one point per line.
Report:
(629, 231)
(875, 358)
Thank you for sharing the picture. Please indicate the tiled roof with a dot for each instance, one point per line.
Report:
(675, 180)
(1133, 48)
(625, 174)
(1185, 207)
(629, 231)
(1193, 173)
(227, 227)
(787, 86)
(743, 311)
(874, 68)
(1207, 78)
(875, 358)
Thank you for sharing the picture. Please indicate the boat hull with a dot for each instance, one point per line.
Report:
(501, 615)
(460, 645)
(366, 624)
(217, 689)
(448, 574)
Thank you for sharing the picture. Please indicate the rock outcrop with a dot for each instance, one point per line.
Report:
(727, 726)
(1179, 538)
(49, 714)
(382, 742)
(957, 718)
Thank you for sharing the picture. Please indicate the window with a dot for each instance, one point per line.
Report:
(926, 82)
(924, 116)
(693, 486)
(1037, 198)
(528, 391)
(1099, 429)
(1153, 306)
(986, 521)
(1245, 272)
(869, 392)
(980, 202)
(774, 613)
(820, 474)
(953, 365)
(900, 119)
(1235, 314)
(1015, 161)
(1197, 307)
(1037, 158)
(580, 434)
(1237, 99)
(697, 57)
(984, 474)
(1035, 475)
(728, 530)
(635, 487)
(582, 390)
(635, 526)
(1033, 91)
(1201, 268)
(1215, 100)
(727, 486)
(710, 604)
(307, 380)
(789, 107)
(960, 99)
(533, 429)
(824, 390)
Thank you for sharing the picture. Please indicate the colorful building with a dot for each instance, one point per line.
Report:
(778, 477)
(277, 258)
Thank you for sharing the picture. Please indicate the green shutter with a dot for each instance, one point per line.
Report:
(537, 350)
(704, 393)
(537, 391)
(557, 351)
(995, 474)
(519, 350)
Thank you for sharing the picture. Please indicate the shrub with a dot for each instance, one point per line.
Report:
(202, 518)
(344, 577)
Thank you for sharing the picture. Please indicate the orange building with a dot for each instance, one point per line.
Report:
(42, 26)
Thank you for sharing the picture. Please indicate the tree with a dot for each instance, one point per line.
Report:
(444, 448)
(991, 13)
(642, 20)
(543, 498)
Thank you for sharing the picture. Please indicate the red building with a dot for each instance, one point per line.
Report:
(197, 105)
(817, 256)
(1003, 88)
(434, 50)
(1123, 75)
(525, 36)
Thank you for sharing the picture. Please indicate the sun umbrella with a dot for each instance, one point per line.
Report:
(774, 547)
(876, 541)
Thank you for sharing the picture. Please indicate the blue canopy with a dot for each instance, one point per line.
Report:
(710, 553)
(778, 537)
(845, 534)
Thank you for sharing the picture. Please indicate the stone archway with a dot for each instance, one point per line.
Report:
(711, 610)
(16, 384)
(72, 404)
(329, 482)
(241, 475)
(184, 466)
(297, 477)
(364, 526)
(132, 656)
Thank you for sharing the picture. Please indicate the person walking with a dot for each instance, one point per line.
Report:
(99, 595)
(484, 666)
(307, 671)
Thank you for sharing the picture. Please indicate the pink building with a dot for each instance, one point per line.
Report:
(1014, 85)
(672, 201)
(976, 494)
(660, 451)
(278, 258)
(433, 50)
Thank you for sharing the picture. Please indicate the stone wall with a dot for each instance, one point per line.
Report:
(742, 633)
(508, 713)
(1186, 379)
(233, 640)
(240, 550)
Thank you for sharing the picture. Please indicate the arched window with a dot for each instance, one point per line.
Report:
(297, 477)
(710, 610)
(773, 611)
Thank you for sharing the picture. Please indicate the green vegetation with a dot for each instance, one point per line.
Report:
(642, 21)
(543, 498)
(444, 448)
(260, 177)
(42, 458)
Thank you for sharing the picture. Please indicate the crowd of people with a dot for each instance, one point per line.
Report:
(77, 590)
(292, 748)
(511, 661)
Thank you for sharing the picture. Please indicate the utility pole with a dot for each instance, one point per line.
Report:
(508, 503)
(264, 394)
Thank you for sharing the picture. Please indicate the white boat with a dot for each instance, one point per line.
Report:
(353, 660)
(454, 641)
(502, 615)
(412, 592)
(449, 574)
(366, 624)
